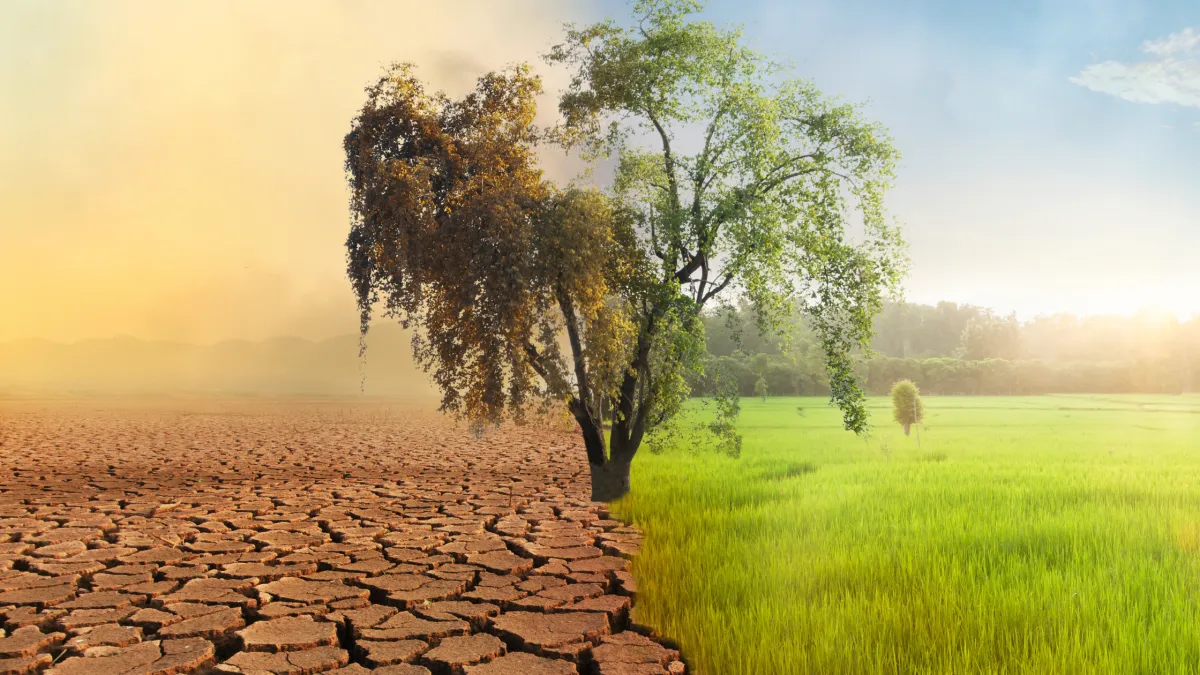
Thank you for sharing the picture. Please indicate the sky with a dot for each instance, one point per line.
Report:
(173, 171)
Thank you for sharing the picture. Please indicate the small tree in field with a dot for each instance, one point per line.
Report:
(907, 408)
(731, 181)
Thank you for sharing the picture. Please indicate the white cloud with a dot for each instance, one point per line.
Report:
(1173, 76)
(1186, 41)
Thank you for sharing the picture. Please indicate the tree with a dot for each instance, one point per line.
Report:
(456, 231)
(907, 408)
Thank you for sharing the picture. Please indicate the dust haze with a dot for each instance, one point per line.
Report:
(285, 366)
(174, 172)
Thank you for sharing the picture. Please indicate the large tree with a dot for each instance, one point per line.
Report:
(731, 181)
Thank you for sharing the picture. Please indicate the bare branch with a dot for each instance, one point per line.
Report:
(668, 158)
(581, 376)
(720, 286)
(703, 277)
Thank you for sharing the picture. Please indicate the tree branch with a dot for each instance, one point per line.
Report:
(702, 162)
(638, 429)
(684, 274)
(720, 286)
(668, 158)
(654, 237)
(624, 423)
(721, 149)
(581, 377)
(582, 405)
(702, 165)
(551, 375)
(703, 278)
(535, 362)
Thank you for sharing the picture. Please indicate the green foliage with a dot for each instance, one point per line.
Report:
(760, 206)
(726, 407)
(955, 376)
(1017, 378)
(907, 406)
(1030, 535)
(1081, 356)
(908, 330)
(761, 363)
(922, 332)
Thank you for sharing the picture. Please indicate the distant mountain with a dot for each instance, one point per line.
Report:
(283, 365)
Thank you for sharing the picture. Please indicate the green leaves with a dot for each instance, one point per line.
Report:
(743, 183)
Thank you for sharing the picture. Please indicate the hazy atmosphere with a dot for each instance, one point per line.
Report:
(175, 172)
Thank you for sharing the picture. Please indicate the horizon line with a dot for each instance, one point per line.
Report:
(1024, 318)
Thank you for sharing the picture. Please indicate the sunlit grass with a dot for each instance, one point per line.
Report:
(1026, 535)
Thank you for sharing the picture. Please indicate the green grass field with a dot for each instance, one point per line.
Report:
(1054, 534)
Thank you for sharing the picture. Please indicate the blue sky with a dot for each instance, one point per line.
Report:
(1028, 183)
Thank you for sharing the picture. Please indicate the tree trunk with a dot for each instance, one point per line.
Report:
(906, 428)
(593, 441)
(593, 435)
(610, 480)
(609, 466)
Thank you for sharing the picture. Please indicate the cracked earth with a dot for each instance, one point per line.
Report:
(301, 537)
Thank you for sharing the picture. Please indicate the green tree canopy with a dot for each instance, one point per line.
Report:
(763, 204)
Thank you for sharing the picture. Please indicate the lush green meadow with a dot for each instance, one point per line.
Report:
(1056, 534)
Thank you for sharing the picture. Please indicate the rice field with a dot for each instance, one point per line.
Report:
(1056, 534)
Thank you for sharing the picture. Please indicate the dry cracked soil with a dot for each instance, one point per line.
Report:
(257, 537)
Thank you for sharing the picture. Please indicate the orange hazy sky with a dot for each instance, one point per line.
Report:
(174, 170)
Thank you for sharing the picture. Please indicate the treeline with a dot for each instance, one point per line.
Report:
(805, 377)
(963, 349)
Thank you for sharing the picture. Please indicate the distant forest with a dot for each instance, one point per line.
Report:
(963, 349)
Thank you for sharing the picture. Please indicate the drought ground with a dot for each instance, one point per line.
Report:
(1039, 535)
(265, 537)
